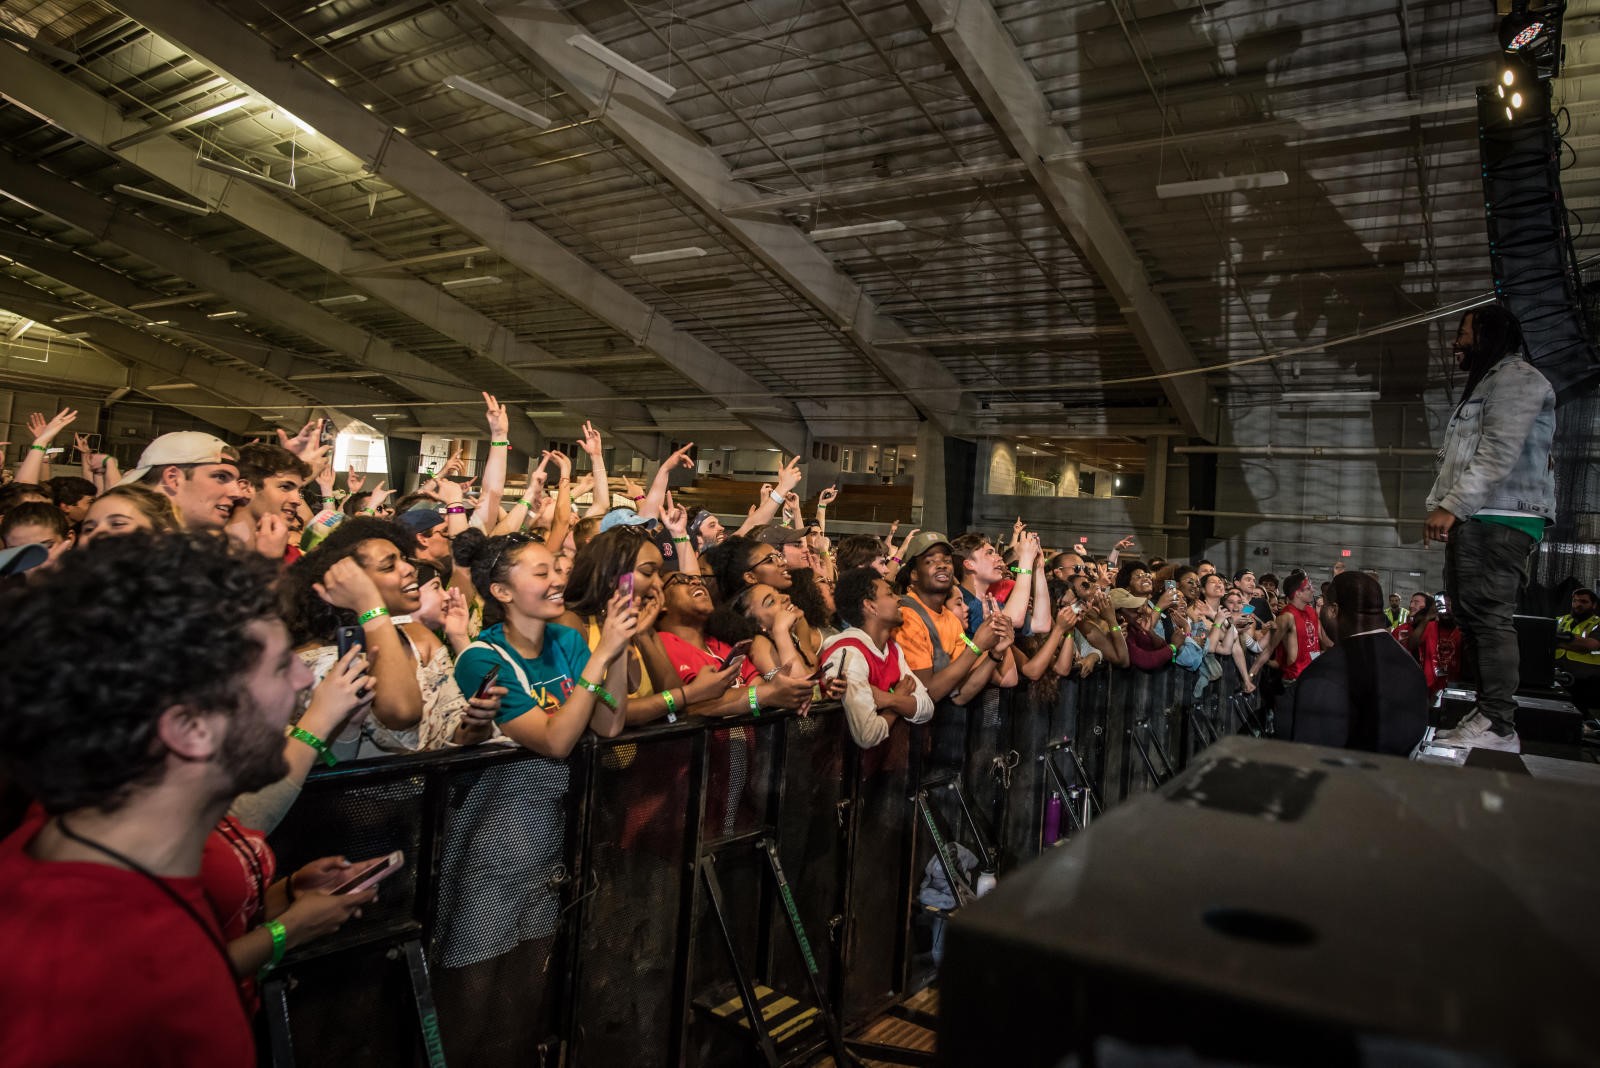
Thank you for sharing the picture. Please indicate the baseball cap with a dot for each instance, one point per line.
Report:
(922, 542)
(16, 560)
(420, 520)
(181, 447)
(778, 536)
(1121, 599)
(622, 517)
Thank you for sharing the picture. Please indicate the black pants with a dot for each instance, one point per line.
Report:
(1485, 571)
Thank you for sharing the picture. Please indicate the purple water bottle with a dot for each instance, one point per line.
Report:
(1052, 819)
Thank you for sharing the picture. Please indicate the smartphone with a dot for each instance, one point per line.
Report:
(742, 648)
(489, 679)
(1439, 602)
(1170, 585)
(736, 661)
(625, 585)
(327, 432)
(1248, 610)
(369, 873)
(349, 638)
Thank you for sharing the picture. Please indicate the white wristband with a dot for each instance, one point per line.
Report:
(776, 497)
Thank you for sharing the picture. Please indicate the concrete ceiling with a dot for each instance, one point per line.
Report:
(1027, 273)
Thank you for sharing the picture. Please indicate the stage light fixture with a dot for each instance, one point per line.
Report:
(1534, 36)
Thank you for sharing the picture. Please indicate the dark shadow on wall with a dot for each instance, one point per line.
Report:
(1280, 233)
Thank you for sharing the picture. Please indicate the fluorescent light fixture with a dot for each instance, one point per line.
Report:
(1233, 184)
(471, 283)
(225, 315)
(167, 302)
(347, 298)
(304, 126)
(626, 67)
(495, 100)
(1312, 396)
(160, 322)
(22, 327)
(170, 386)
(167, 202)
(79, 336)
(388, 415)
(836, 233)
(691, 252)
(246, 173)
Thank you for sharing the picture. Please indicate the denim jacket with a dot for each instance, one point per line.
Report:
(1496, 453)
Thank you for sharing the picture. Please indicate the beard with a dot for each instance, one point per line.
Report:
(252, 753)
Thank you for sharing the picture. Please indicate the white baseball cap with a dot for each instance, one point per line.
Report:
(182, 447)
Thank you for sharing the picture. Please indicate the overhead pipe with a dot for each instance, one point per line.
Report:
(1294, 517)
(1332, 452)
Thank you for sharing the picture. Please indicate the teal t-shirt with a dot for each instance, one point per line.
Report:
(552, 675)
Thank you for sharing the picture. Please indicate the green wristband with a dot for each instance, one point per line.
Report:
(680, 539)
(672, 706)
(755, 703)
(600, 692)
(502, 444)
(972, 645)
(280, 945)
(41, 448)
(300, 734)
(372, 613)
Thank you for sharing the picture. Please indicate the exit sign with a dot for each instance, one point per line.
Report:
(1345, 552)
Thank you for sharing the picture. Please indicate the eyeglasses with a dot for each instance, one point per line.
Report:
(684, 578)
(769, 560)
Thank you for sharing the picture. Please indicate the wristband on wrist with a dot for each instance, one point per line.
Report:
(300, 734)
(639, 498)
(678, 539)
(526, 503)
(672, 706)
(1174, 649)
(280, 944)
(897, 560)
(755, 703)
(600, 692)
(372, 613)
(1023, 570)
(455, 509)
(41, 448)
(369, 511)
(775, 497)
(1117, 629)
(499, 444)
(972, 645)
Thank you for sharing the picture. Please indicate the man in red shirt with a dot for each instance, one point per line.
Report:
(146, 683)
(1440, 647)
(1297, 634)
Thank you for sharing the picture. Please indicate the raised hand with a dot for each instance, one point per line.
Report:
(497, 417)
(1017, 529)
(305, 441)
(454, 465)
(325, 479)
(622, 623)
(789, 476)
(828, 496)
(680, 458)
(563, 464)
(590, 440)
(650, 606)
(675, 518)
(354, 479)
(379, 495)
(345, 585)
(272, 536)
(631, 489)
(456, 616)
(1125, 543)
(344, 692)
(45, 431)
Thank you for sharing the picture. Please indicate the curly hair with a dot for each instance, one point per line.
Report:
(598, 566)
(807, 596)
(68, 489)
(310, 618)
(729, 560)
(731, 622)
(97, 651)
(855, 588)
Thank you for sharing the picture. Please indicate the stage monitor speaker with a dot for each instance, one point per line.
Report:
(1553, 720)
(1536, 649)
(1288, 904)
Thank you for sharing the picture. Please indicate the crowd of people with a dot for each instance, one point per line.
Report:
(267, 618)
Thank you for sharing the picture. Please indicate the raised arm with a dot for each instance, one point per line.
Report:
(766, 509)
(656, 499)
(595, 447)
(32, 467)
(397, 700)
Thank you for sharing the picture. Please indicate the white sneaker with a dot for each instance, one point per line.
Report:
(1476, 732)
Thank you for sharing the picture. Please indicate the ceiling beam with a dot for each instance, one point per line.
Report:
(539, 30)
(157, 363)
(55, 196)
(986, 59)
(68, 105)
(221, 43)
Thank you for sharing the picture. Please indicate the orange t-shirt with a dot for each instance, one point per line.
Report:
(913, 635)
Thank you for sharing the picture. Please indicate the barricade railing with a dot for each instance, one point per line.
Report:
(635, 903)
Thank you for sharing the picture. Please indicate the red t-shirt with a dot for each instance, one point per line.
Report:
(103, 967)
(1440, 654)
(1308, 641)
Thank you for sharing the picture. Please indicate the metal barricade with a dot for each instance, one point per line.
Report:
(632, 904)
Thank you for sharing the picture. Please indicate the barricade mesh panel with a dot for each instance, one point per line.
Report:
(502, 854)
(811, 843)
(878, 862)
(359, 818)
(988, 745)
(353, 1009)
(638, 821)
(1092, 703)
(738, 776)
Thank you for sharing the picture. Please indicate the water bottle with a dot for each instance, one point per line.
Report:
(985, 882)
(1052, 819)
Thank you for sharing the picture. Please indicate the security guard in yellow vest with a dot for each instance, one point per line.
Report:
(1578, 648)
